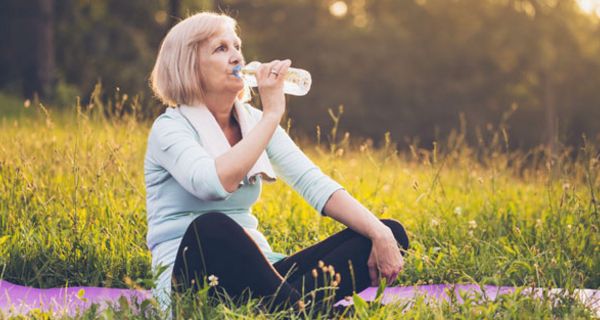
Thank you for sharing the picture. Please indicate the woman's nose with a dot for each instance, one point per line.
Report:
(237, 58)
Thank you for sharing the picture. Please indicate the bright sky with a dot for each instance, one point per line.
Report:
(590, 6)
(340, 8)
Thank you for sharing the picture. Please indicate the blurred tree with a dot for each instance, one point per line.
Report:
(174, 12)
(28, 47)
(408, 67)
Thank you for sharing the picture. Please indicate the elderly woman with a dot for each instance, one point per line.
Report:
(206, 158)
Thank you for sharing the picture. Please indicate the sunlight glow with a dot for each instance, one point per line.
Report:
(338, 9)
(590, 6)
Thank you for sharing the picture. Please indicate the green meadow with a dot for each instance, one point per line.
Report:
(72, 212)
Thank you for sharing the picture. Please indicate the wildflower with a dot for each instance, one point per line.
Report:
(458, 211)
(331, 271)
(321, 264)
(338, 278)
(470, 233)
(213, 280)
(334, 283)
(27, 103)
(301, 305)
(314, 273)
(569, 227)
(435, 223)
(472, 224)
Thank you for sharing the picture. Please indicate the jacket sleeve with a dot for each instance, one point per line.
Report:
(173, 147)
(297, 170)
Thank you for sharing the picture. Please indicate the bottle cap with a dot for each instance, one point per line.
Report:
(236, 70)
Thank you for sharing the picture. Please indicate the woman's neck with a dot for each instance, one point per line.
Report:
(221, 106)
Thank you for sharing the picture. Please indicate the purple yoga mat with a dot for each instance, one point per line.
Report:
(438, 292)
(15, 299)
(22, 299)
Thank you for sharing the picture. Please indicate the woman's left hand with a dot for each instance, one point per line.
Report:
(385, 259)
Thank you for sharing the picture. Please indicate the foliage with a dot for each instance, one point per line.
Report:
(412, 68)
(72, 211)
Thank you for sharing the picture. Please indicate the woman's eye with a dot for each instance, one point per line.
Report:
(220, 48)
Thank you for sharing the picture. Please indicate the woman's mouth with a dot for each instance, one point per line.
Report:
(236, 71)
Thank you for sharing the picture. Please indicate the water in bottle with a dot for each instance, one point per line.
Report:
(297, 81)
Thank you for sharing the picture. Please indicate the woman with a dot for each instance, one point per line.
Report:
(205, 162)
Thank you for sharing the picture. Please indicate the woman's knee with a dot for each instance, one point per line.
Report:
(212, 218)
(398, 231)
(213, 223)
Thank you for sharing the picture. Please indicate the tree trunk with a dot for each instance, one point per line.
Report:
(37, 48)
(7, 72)
(174, 12)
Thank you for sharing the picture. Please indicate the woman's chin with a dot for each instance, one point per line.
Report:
(237, 89)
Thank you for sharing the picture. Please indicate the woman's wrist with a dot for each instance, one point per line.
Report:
(272, 117)
(381, 232)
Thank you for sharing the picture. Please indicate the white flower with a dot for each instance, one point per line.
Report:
(435, 223)
(472, 224)
(213, 280)
(458, 211)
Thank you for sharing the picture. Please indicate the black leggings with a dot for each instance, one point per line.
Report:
(214, 244)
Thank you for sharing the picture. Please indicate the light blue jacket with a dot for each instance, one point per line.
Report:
(182, 183)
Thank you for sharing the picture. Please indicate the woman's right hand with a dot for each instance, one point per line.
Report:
(270, 77)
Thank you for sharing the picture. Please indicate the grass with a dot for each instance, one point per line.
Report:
(72, 211)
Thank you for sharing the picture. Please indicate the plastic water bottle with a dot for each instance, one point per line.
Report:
(297, 81)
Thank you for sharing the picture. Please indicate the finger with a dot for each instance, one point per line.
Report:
(261, 72)
(398, 269)
(279, 73)
(265, 68)
(373, 274)
(282, 66)
(392, 278)
(273, 68)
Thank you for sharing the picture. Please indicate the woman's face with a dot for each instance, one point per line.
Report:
(217, 57)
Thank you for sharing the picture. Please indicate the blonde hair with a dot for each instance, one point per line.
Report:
(176, 77)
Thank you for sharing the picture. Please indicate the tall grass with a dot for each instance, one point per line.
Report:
(72, 211)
